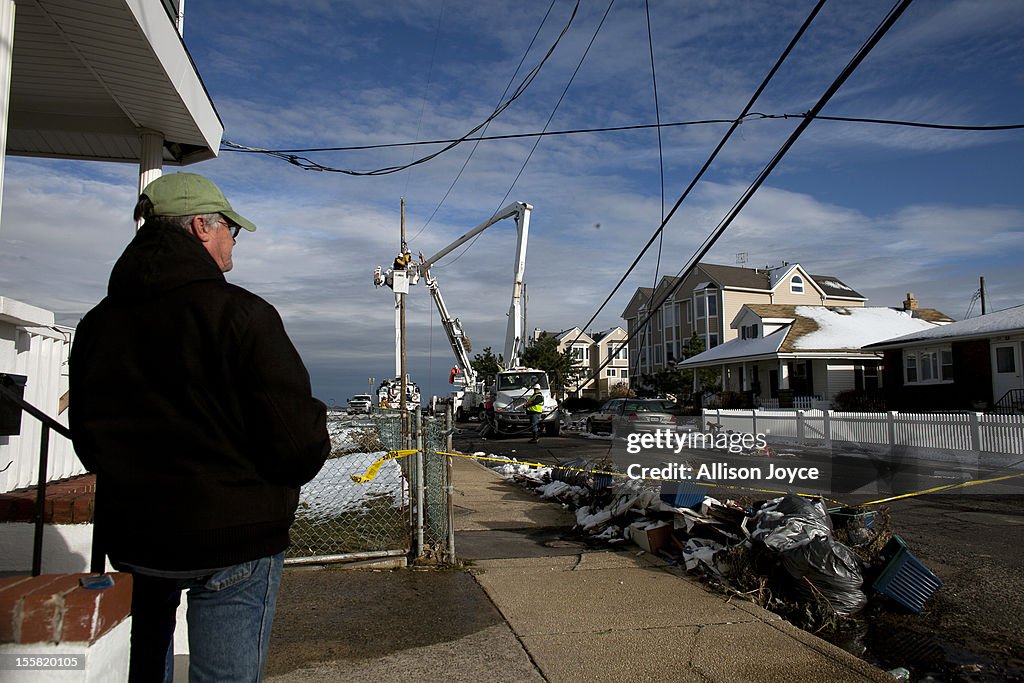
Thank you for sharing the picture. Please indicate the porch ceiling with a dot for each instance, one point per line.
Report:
(86, 77)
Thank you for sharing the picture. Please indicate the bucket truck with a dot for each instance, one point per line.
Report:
(514, 383)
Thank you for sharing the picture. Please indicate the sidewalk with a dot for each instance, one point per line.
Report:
(535, 608)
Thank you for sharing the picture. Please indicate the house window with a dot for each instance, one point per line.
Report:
(689, 313)
(928, 366)
(619, 353)
(712, 306)
(612, 372)
(748, 332)
(796, 285)
(670, 354)
(581, 354)
(623, 373)
(1004, 359)
(712, 340)
(699, 304)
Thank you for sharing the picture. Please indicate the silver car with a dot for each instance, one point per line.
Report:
(621, 416)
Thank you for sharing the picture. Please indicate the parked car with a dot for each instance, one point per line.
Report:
(360, 403)
(621, 416)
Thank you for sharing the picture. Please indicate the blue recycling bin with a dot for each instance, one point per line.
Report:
(682, 494)
(905, 579)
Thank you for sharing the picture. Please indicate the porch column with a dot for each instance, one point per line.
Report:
(783, 375)
(151, 158)
(6, 55)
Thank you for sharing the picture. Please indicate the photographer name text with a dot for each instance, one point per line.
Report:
(719, 471)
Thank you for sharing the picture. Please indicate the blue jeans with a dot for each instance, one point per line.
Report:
(230, 614)
(535, 423)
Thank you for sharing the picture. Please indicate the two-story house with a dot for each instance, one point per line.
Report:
(707, 300)
(592, 351)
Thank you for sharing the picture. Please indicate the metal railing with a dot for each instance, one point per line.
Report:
(1011, 403)
(405, 509)
(48, 423)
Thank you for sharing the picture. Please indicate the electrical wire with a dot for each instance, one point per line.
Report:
(426, 86)
(661, 169)
(229, 146)
(714, 154)
(557, 104)
(887, 23)
(537, 141)
(476, 142)
(309, 165)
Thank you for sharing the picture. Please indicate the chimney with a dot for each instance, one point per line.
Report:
(910, 303)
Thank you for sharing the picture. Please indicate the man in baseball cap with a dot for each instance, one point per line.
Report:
(195, 411)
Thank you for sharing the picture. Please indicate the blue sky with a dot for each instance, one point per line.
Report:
(888, 210)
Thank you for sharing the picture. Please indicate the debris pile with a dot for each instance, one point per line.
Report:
(793, 555)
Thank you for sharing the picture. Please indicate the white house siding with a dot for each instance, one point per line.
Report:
(40, 354)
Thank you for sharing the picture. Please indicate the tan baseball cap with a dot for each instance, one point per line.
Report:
(190, 194)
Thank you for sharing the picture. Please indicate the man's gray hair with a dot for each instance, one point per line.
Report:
(144, 211)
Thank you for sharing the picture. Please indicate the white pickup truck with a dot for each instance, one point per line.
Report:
(360, 403)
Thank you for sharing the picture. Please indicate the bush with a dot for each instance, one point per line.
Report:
(732, 399)
(853, 401)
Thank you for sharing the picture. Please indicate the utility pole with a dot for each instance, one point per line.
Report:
(401, 323)
(982, 295)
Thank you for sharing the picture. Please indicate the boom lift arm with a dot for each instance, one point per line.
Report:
(456, 336)
(514, 331)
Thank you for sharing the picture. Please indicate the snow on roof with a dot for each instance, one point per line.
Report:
(740, 348)
(834, 284)
(1009, 320)
(855, 327)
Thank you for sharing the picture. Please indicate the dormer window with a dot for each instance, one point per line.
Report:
(796, 285)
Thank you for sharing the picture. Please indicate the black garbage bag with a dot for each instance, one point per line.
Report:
(799, 530)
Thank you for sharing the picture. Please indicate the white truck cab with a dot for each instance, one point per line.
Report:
(513, 388)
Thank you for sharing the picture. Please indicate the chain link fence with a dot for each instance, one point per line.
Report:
(339, 519)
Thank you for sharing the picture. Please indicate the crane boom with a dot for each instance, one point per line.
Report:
(456, 335)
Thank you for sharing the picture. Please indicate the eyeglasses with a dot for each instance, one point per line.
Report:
(235, 229)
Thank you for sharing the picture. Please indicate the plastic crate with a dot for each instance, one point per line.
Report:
(682, 494)
(904, 579)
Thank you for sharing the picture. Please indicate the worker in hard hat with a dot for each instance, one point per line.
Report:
(535, 407)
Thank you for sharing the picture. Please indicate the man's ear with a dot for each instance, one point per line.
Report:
(202, 229)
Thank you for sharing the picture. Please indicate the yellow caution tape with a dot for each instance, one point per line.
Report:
(946, 487)
(372, 471)
(394, 455)
(375, 467)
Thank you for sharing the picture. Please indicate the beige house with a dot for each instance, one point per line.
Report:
(592, 351)
(707, 300)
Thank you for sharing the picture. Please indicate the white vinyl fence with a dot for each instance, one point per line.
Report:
(971, 432)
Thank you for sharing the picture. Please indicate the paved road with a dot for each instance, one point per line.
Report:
(972, 538)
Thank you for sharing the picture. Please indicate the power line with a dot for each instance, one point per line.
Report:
(714, 154)
(883, 28)
(229, 146)
(546, 124)
(309, 165)
(476, 142)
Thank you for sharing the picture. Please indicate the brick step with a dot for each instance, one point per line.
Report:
(54, 608)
